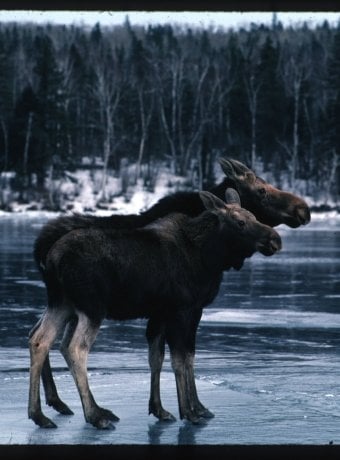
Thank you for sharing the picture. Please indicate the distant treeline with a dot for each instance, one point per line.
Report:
(268, 96)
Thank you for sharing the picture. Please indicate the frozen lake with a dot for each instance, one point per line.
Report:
(267, 361)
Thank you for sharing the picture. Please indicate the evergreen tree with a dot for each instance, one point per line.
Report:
(267, 95)
(24, 141)
(271, 104)
(237, 115)
(51, 120)
(332, 141)
(6, 100)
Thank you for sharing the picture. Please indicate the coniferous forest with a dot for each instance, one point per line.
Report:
(102, 98)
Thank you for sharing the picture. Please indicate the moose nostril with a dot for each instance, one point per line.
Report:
(275, 243)
(274, 247)
(303, 215)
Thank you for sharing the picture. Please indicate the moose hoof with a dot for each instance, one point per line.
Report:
(195, 418)
(205, 413)
(165, 416)
(162, 414)
(105, 413)
(42, 421)
(61, 407)
(102, 419)
(104, 424)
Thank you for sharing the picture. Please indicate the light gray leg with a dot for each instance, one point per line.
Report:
(75, 352)
(41, 339)
(51, 394)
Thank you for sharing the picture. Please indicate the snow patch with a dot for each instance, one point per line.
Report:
(83, 191)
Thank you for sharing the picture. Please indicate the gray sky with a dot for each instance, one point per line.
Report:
(192, 18)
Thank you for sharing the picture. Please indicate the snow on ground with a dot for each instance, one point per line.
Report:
(82, 191)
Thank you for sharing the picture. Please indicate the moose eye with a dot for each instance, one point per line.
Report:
(241, 223)
(262, 191)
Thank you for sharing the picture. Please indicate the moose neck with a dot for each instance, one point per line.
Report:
(219, 189)
(246, 200)
(204, 232)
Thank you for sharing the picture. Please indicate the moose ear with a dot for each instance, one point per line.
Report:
(232, 197)
(211, 201)
(236, 170)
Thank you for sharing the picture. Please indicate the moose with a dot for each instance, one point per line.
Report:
(167, 271)
(269, 204)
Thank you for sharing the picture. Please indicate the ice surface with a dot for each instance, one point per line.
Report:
(267, 353)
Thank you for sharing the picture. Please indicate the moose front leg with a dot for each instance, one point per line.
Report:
(51, 394)
(181, 336)
(156, 340)
(196, 404)
(198, 407)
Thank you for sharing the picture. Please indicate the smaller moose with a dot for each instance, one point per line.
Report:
(167, 272)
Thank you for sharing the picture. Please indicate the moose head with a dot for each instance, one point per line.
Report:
(269, 204)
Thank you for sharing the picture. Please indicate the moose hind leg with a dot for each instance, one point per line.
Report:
(51, 394)
(156, 341)
(75, 350)
(41, 339)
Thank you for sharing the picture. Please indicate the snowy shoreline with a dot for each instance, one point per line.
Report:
(315, 216)
(81, 196)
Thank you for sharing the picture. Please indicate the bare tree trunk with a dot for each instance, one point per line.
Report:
(140, 155)
(51, 187)
(294, 73)
(145, 123)
(252, 92)
(253, 132)
(297, 85)
(332, 174)
(168, 134)
(107, 153)
(5, 134)
(311, 158)
(199, 167)
(26, 148)
(174, 95)
(180, 133)
(200, 118)
(185, 161)
(173, 128)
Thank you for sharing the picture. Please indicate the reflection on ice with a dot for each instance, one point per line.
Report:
(295, 260)
(288, 296)
(272, 318)
(36, 283)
